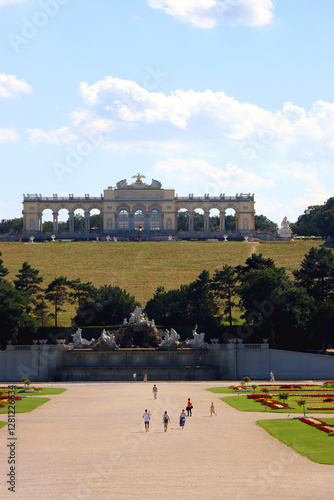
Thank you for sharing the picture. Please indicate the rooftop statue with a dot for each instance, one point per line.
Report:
(138, 184)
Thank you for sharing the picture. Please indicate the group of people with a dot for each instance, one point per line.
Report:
(166, 418)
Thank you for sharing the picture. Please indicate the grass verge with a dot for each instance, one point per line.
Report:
(44, 392)
(306, 440)
(241, 403)
(2, 424)
(25, 405)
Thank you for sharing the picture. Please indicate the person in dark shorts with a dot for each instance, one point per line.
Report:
(165, 420)
(189, 408)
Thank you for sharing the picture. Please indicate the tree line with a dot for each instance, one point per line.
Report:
(252, 301)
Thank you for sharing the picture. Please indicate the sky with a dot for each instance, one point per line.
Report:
(205, 96)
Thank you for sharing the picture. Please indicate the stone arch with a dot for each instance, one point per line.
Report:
(231, 220)
(94, 221)
(139, 206)
(123, 216)
(198, 218)
(63, 220)
(139, 218)
(46, 225)
(215, 218)
(78, 224)
(183, 218)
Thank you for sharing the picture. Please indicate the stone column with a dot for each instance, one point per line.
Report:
(222, 221)
(131, 222)
(40, 223)
(71, 221)
(206, 221)
(87, 222)
(55, 222)
(191, 221)
(146, 221)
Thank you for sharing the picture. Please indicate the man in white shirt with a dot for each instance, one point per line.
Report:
(146, 417)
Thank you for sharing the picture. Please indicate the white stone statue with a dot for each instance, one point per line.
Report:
(197, 342)
(285, 231)
(171, 339)
(108, 338)
(78, 341)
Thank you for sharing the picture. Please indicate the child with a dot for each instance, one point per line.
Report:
(212, 410)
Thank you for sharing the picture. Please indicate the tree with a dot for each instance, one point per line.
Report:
(79, 223)
(230, 222)
(57, 294)
(12, 312)
(262, 223)
(182, 221)
(317, 220)
(223, 287)
(28, 280)
(11, 225)
(214, 223)
(202, 305)
(81, 291)
(27, 283)
(316, 273)
(109, 306)
(255, 261)
(40, 310)
(3, 270)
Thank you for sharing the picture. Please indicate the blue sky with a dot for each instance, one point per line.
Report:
(206, 96)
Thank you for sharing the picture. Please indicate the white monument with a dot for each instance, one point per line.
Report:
(285, 231)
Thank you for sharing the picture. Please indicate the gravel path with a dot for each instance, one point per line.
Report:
(90, 443)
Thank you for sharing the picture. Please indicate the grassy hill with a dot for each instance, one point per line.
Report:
(140, 268)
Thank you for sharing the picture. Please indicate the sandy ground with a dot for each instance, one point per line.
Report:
(90, 442)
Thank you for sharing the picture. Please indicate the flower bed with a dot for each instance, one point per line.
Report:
(319, 424)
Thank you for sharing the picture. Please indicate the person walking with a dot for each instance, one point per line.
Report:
(146, 417)
(272, 376)
(212, 410)
(182, 419)
(155, 391)
(189, 408)
(165, 420)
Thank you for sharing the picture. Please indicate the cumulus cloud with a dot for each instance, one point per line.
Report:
(59, 136)
(126, 113)
(11, 86)
(9, 135)
(210, 13)
(201, 176)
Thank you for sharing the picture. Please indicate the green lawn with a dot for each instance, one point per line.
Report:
(2, 424)
(140, 268)
(25, 405)
(228, 390)
(44, 392)
(241, 403)
(306, 440)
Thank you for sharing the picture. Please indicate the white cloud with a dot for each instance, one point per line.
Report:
(210, 13)
(59, 136)
(9, 135)
(125, 113)
(10, 86)
(202, 177)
